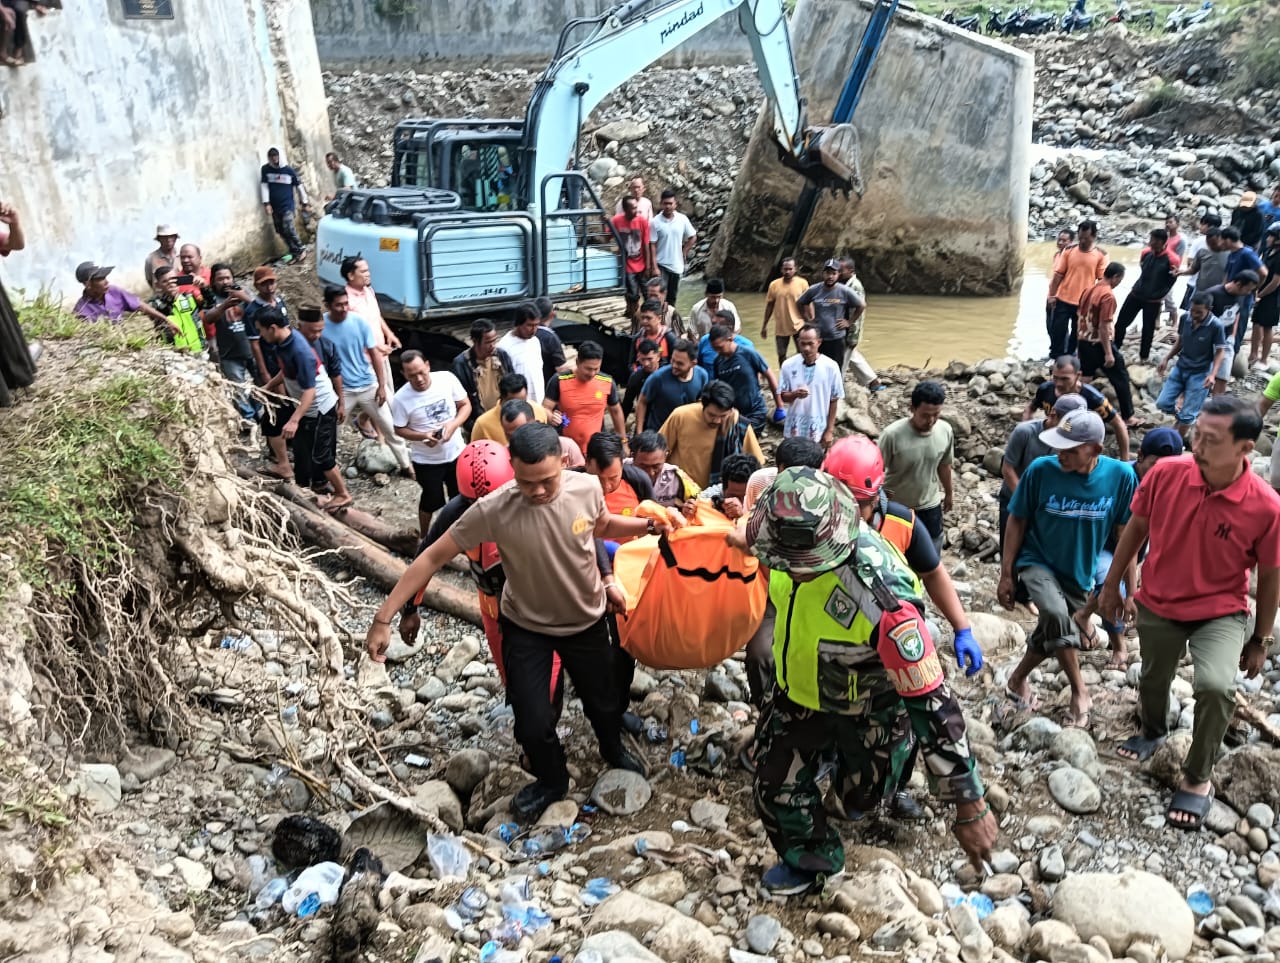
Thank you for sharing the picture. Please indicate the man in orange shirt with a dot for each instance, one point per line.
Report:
(579, 400)
(1076, 270)
(1096, 328)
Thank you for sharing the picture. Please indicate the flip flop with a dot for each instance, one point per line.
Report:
(1021, 704)
(272, 473)
(335, 505)
(1193, 804)
(1141, 747)
(1078, 722)
(1089, 640)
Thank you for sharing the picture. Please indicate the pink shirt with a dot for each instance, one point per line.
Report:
(365, 303)
(1204, 542)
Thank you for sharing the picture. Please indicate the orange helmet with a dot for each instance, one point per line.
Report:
(482, 467)
(857, 462)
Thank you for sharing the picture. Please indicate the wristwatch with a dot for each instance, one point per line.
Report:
(1266, 641)
(651, 527)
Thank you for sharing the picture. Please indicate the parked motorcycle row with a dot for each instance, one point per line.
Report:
(1021, 21)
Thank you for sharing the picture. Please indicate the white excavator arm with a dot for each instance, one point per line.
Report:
(620, 43)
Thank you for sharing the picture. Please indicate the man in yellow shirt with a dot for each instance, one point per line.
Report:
(701, 435)
(489, 425)
(780, 304)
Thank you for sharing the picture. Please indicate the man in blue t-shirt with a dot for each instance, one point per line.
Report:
(1060, 517)
(277, 185)
(678, 383)
(1241, 257)
(741, 367)
(364, 386)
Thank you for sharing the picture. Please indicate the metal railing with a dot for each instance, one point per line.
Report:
(589, 227)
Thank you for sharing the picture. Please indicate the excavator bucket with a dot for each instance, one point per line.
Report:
(830, 158)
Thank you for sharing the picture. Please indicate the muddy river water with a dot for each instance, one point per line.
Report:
(918, 331)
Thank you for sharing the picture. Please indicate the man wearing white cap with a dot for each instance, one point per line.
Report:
(166, 255)
(1060, 517)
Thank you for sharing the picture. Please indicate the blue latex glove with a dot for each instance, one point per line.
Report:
(968, 650)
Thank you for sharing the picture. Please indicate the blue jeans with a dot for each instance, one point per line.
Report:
(237, 372)
(1100, 569)
(1189, 384)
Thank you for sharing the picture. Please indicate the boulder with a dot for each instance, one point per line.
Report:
(620, 792)
(1125, 908)
(665, 930)
(617, 946)
(877, 895)
(1047, 934)
(1249, 775)
(373, 457)
(996, 634)
(147, 762)
(466, 770)
(436, 797)
(666, 887)
(1008, 926)
(623, 131)
(1075, 747)
(1074, 791)
(98, 785)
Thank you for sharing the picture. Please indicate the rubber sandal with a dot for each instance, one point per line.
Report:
(1078, 722)
(904, 807)
(272, 473)
(335, 505)
(1141, 747)
(1193, 804)
(1021, 704)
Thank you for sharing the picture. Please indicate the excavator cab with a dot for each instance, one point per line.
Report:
(476, 159)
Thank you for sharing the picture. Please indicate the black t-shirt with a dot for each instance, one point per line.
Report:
(232, 334)
(1222, 299)
(1250, 223)
(1095, 399)
(634, 384)
(552, 351)
(1156, 274)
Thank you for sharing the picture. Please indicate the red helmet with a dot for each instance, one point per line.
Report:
(857, 462)
(482, 467)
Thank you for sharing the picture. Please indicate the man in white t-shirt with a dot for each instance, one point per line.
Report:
(644, 206)
(810, 386)
(525, 350)
(703, 313)
(427, 412)
(673, 238)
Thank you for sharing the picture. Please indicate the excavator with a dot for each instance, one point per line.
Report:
(481, 214)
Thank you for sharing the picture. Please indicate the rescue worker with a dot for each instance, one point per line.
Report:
(856, 461)
(851, 651)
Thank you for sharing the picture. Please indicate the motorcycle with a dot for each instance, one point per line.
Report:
(1020, 21)
(972, 22)
(1141, 18)
(1076, 19)
(1182, 18)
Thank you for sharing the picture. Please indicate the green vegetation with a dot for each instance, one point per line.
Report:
(73, 463)
(45, 319)
(1163, 96)
(1258, 56)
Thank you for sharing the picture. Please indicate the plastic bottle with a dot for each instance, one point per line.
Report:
(236, 643)
(598, 890)
(491, 952)
(270, 894)
(309, 906)
(656, 733)
(323, 879)
(677, 759)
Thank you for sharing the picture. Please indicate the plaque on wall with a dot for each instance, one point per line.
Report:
(148, 9)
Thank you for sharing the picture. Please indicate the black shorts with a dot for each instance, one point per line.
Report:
(273, 418)
(635, 286)
(439, 483)
(1091, 355)
(315, 448)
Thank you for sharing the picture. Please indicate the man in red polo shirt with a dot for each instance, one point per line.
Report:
(578, 400)
(1195, 587)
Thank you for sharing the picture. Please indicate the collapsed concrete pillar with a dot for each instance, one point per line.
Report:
(944, 130)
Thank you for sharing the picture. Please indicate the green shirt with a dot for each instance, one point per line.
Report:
(911, 462)
(1272, 393)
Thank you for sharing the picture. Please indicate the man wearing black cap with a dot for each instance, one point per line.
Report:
(833, 307)
(102, 301)
(703, 313)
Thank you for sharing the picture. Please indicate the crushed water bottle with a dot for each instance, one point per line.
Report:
(309, 906)
(656, 732)
(677, 759)
(492, 952)
(271, 894)
(236, 643)
(598, 890)
(1201, 901)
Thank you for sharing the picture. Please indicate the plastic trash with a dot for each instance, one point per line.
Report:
(309, 906)
(598, 890)
(323, 880)
(677, 759)
(655, 732)
(270, 894)
(472, 903)
(577, 833)
(981, 905)
(289, 716)
(507, 832)
(693, 726)
(448, 856)
(417, 761)
(236, 643)
(492, 952)
(260, 876)
(1201, 901)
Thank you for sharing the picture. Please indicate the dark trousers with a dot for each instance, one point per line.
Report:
(932, 520)
(1242, 319)
(834, 349)
(287, 229)
(1062, 329)
(624, 667)
(672, 280)
(315, 448)
(1092, 356)
(1003, 501)
(1150, 315)
(587, 657)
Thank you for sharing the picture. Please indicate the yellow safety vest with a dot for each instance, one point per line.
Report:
(183, 316)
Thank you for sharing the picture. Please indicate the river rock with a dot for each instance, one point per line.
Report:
(1035, 734)
(464, 650)
(839, 926)
(196, 876)
(616, 946)
(975, 945)
(666, 887)
(1008, 926)
(709, 815)
(145, 763)
(1047, 934)
(435, 796)
(373, 457)
(1074, 791)
(1124, 908)
(996, 634)
(763, 933)
(623, 131)
(877, 895)
(1051, 864)
(98, 784)
(465, 770)
(1075, 747)
(674, 936)
(621, 792)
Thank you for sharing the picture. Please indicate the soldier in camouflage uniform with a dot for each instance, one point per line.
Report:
(850, 651)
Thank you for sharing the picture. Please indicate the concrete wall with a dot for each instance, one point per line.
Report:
(93, 168)
(945, 133)
(482, 31)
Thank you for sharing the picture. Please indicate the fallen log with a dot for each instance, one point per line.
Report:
(316, 527)
(1256, 719)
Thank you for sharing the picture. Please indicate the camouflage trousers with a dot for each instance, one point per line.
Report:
(872, 750)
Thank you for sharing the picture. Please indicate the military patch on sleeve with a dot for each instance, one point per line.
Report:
(906, 637)
(907, 652)
(841, 606)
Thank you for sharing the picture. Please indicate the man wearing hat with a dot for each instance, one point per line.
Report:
(166, 255)
(1060, 517)
(1158, 443)
(833, 307)
(1248, 220)
(1024, 446)
(850, 650)
(102, 301)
